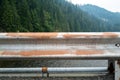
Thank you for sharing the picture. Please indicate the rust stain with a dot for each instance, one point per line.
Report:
(104, 35)
(89, 52)
(1, 52)
(36, 52)
(110, 35)
(34, 35)
(9, 53)
(44, 69)
(51, 52)
(75, 35)
(66, 35)
(46, 52)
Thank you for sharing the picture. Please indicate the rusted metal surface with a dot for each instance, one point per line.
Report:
(61, 53)
(44, 69)
(33, 35)
(60, 45)
(60, 35)
(94, 35)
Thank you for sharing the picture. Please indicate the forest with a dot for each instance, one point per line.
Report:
(47, 16)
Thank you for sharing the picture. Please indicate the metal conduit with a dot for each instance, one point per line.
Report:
(56, 70)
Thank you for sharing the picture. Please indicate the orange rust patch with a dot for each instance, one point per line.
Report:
(44, 69)
(46, 52)
(34, 35)
(76, 35)
(51, 52)
(104, 35)
(89, 52)
(36, 52)
(110, 35)
(1, 52)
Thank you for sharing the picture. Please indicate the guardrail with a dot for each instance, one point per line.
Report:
(94, 46)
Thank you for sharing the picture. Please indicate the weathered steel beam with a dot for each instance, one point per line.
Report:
(60, 45)
(61, 35)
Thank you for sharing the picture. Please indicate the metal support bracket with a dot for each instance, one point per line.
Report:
(111, 66)
(45, 72)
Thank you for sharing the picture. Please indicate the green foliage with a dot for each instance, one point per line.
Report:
(111, 20)
(46, 16)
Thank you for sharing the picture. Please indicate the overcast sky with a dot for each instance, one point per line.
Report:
(111, 5)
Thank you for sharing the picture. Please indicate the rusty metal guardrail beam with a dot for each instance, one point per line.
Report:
(60, 45)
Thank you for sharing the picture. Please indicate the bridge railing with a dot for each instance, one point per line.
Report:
(94, 46)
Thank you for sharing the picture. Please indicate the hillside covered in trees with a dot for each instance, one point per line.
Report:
(46, 16)
(110, 18)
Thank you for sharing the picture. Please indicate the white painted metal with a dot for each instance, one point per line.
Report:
(56, 70)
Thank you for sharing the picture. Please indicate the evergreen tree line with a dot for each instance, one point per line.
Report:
(46, 16)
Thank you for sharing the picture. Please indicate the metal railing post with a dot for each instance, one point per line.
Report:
(117, 70)
(45, 72)
(111, 66)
